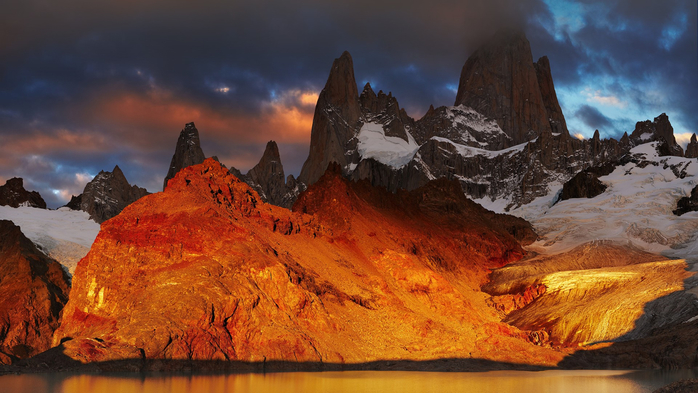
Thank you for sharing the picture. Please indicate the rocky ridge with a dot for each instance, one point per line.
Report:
(516, 152)
(13, 194)
(33, 288)
(108, 194)
(267, 179)
(368, 275)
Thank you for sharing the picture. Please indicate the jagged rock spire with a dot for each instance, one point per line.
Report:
(692, 148)
(269, 174)
(108, 194)
(658, 130)
(501, 82)
(336, 118)
(187, 152)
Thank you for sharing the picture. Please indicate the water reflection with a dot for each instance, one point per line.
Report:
(351, 381)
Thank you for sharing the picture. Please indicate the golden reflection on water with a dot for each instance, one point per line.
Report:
(340, 382)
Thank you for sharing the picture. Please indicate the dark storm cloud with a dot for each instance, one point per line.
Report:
(592, 117)
(642, 52)
(118, 80)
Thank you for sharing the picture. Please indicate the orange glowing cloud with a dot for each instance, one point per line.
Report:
(38, 142)
(159, 115)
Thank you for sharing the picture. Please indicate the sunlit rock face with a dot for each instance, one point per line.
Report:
(597, 292)
(205, 270)
(33, 290)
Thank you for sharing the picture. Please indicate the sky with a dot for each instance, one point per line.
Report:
(87, 85)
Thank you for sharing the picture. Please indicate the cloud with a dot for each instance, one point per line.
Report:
(87, 85)
(598, 97)
(593, 118)
(683, 138)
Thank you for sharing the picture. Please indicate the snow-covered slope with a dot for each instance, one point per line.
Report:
(636, 208)
(390, 150)
(65, 235)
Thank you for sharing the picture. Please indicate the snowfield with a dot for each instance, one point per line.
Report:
(389, 150)
(65, 235)
(636, 209)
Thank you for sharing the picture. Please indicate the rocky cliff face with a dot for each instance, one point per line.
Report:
(547, 91)
(355, 274)
(267, 179)
(586, 184)
(75, 202)
(187, 152)
(13, 194)
(659, 130)
(337, 117)
(108, 194)
(33, 288)
(687, 203)
(500, 81)
(497, 144)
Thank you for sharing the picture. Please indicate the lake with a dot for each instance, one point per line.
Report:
(553, 381)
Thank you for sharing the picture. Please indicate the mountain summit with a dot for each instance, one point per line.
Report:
(501, 82)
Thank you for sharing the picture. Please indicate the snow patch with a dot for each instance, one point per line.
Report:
(389, 150)
(468, 151)
(636, 208)
(469, 117)
(65, 235)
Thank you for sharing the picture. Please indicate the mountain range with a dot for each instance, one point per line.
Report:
(381, 249)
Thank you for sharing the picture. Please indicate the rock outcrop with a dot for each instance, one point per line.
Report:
(586, 184)
(659, 130)
(688, 203)
(267, 178)
(187, 152)
(501, 82)
(547, 90)
(692, 148)
(108, 194)
(75, 202)
(13, 194)
(354, 274)
(33, 288)
(335, 122)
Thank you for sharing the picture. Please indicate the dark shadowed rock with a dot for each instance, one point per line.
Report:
(586, 184)
(75, 202)
(499, 81)
(33, 290)
(268, 175)
(187, 152)
(108, 194)
(687, 204)
(692, 148)
(659, 130)
(336, 120)
(384, 109)
(547, 91)
(13, 194)
(267, 178)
